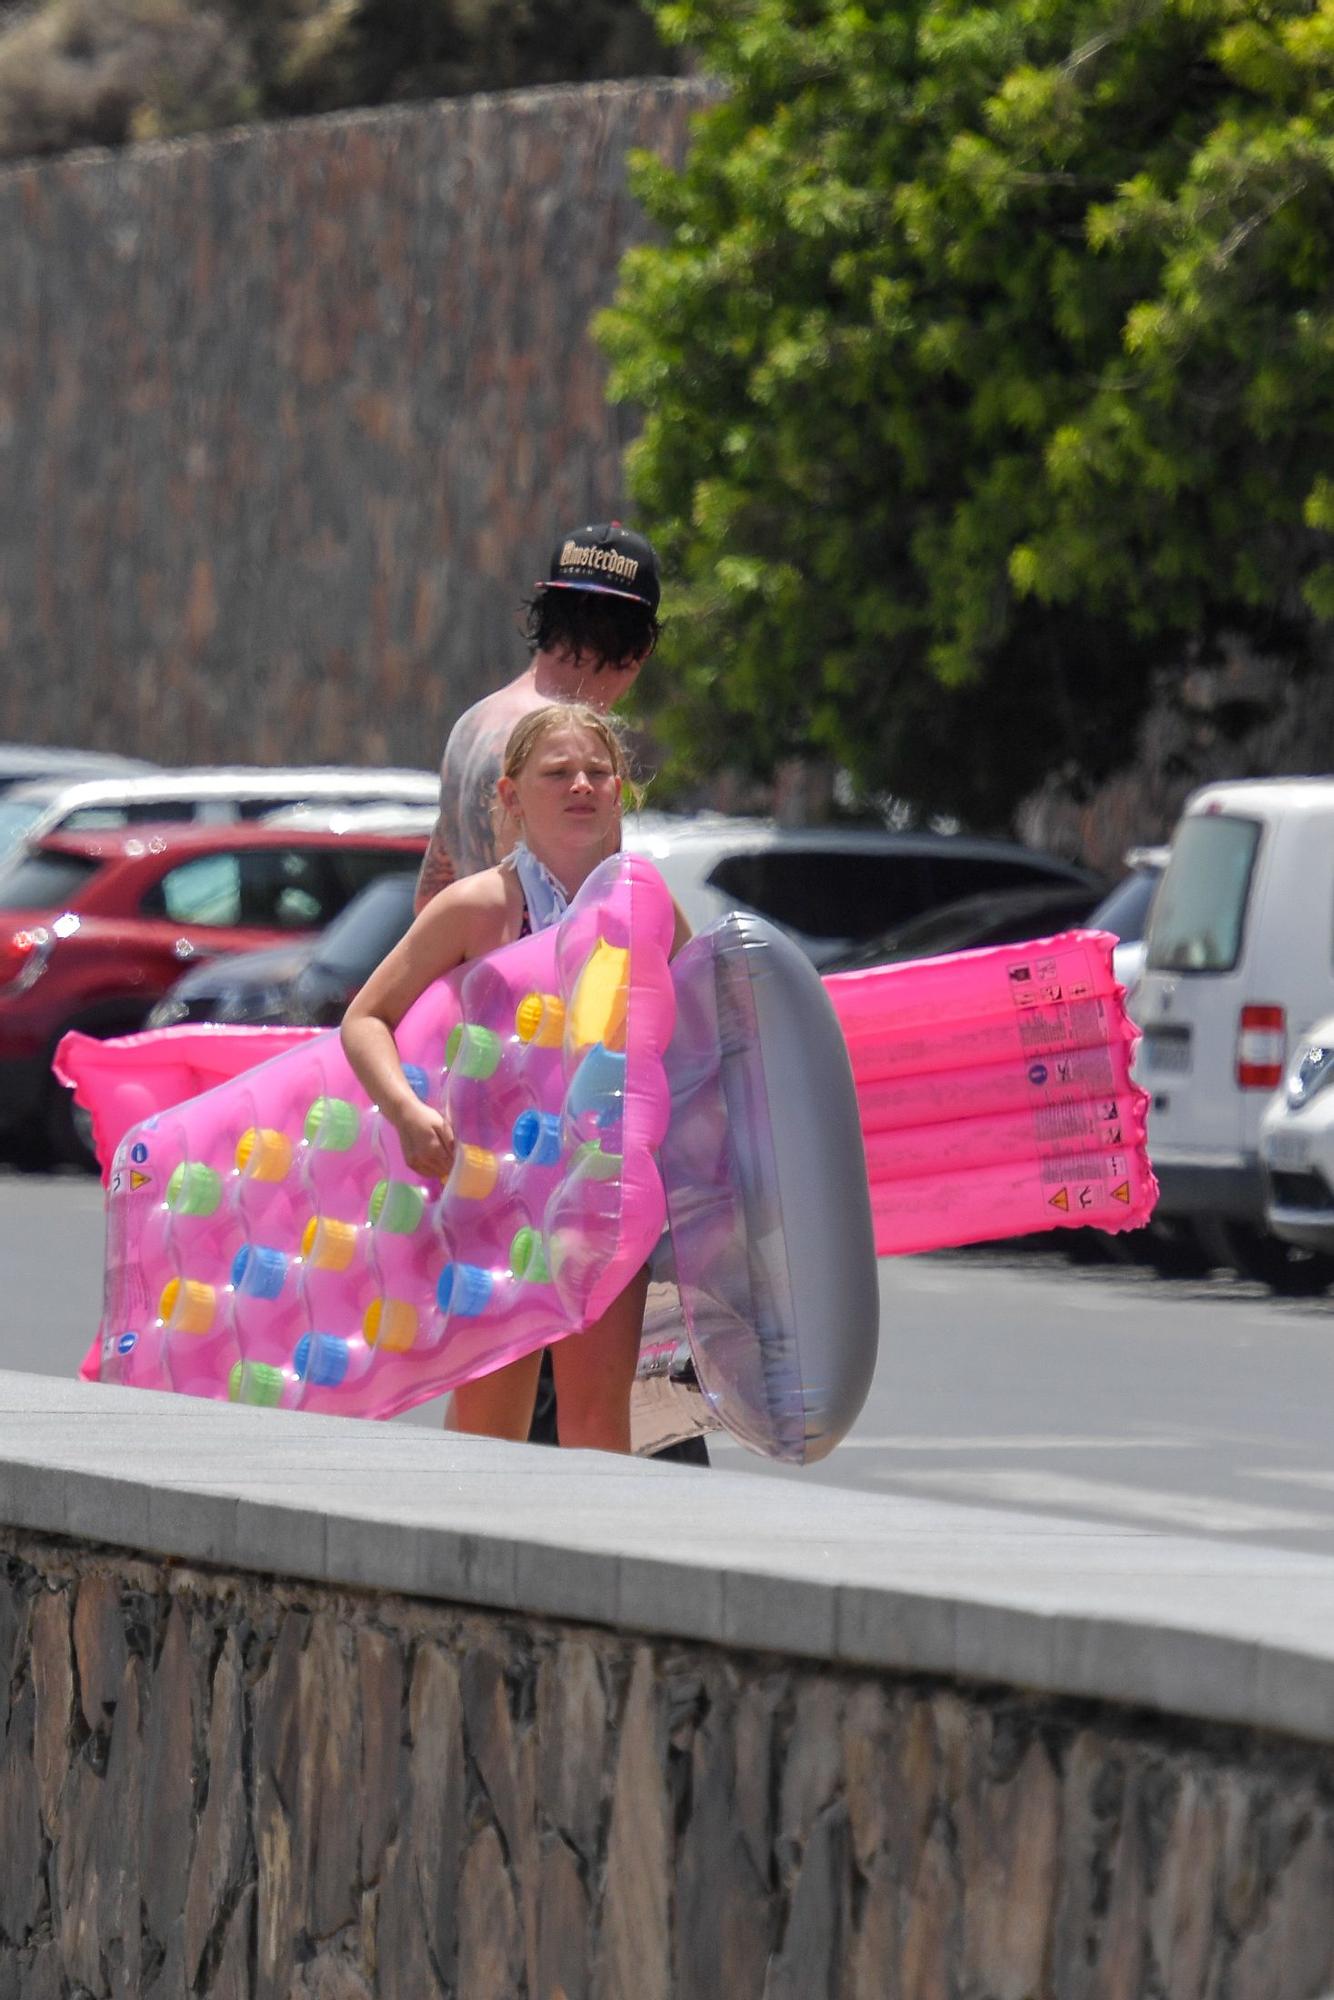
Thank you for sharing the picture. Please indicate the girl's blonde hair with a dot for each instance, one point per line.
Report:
(530, 730)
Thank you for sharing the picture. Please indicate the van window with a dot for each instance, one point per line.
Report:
(205, 891)
(1200, 909)
(265, 889)
(357, 867)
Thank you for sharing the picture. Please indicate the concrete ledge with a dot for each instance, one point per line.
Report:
(1210, 1630)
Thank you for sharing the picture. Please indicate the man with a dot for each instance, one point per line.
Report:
(591, 626)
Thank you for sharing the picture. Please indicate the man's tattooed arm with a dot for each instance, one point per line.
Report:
(477, 803)
(464, 839)
(437, 870)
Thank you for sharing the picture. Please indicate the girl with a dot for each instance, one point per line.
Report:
(560, 787)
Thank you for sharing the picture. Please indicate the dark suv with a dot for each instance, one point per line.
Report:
(305, 984)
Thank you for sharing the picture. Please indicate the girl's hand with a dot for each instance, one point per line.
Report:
(426, 1138)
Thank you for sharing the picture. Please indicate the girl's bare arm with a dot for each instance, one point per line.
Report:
(443, 936)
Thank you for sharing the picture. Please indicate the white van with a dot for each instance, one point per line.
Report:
(1239, 961)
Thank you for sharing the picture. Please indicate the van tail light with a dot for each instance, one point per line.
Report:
(23, 956)
(1261, 1048)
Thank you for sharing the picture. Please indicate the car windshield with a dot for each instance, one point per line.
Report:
(371, 925)
(16, 816)
(1200, 907)
(44, 881)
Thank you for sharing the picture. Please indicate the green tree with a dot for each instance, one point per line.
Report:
(987, 359)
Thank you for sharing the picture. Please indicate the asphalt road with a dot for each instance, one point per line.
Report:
(1007, 1377)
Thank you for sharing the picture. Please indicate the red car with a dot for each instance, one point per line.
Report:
(94, 928)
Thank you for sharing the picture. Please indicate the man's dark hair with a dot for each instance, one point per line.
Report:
(615, 631)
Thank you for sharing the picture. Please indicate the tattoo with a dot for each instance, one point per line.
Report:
(437, 871)
(477, 793)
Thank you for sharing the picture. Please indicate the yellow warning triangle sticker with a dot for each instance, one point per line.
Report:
(1061, 1200)
(1122, 1193)
(138, 1180)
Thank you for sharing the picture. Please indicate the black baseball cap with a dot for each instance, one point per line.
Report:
(609, 559)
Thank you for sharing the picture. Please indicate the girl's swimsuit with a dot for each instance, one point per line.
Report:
(544, 900)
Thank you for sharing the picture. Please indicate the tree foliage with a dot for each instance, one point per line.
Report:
(100, 72)
(987, 358)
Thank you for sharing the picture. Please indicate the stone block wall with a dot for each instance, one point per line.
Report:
(291, 418)
(215, 1785)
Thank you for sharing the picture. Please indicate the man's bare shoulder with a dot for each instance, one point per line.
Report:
(499, 710)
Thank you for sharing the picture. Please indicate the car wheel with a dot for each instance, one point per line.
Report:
(66, 1131)
(1174, 1249)
(1267, 1260)
(1095, 1246)
(27, 1150)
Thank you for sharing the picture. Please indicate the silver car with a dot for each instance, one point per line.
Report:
(1297, 1152)
(206, 795)
(24, 763)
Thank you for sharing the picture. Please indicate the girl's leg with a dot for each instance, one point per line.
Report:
(499, 1404)
(595, 1371)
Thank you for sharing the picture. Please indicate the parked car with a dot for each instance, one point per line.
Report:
(831, 887)
(95, 927)
(1297, 1148)
(208, 795)
(23, 763)
(254, 987)
(349, 951)
(1006, 916)
(303, 984)
(1239, 961)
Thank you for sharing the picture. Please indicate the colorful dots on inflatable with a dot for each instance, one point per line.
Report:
(267, 1243)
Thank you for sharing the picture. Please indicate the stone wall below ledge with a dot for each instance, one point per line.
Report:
(298, 1706)
(220, 1784)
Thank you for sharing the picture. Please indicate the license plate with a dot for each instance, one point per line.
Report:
(1167, 1055)
(1287, 1149)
